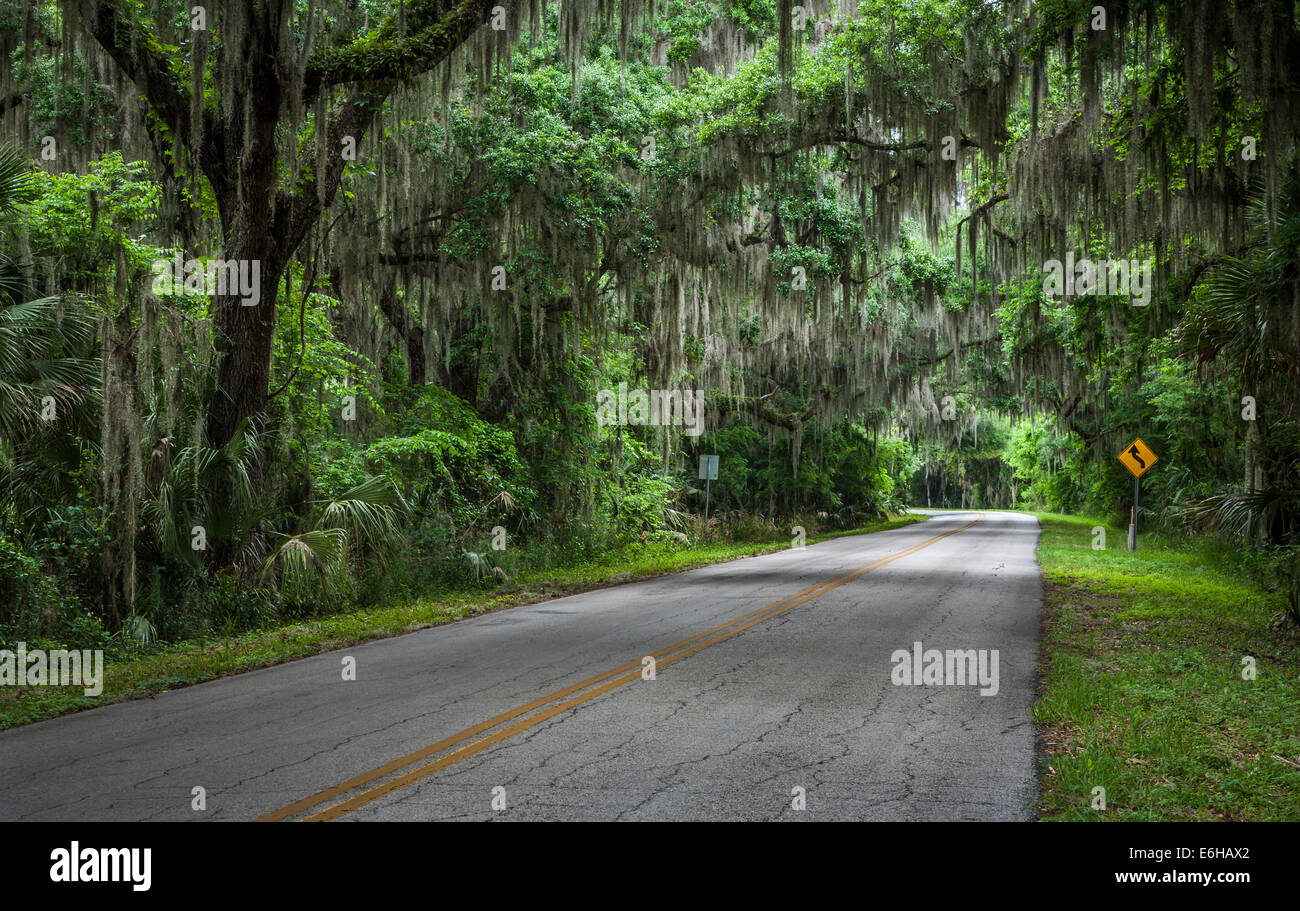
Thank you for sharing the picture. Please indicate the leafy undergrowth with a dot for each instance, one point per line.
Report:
(187, 663)
(1142, 690)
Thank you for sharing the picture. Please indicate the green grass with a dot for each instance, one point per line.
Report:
(187, 663)
(1142, 690)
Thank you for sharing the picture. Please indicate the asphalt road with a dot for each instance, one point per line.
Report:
(545, 709)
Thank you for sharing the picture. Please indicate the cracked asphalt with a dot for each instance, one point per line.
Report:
(803, 700)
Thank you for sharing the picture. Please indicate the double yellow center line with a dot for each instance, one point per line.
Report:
(571, 696)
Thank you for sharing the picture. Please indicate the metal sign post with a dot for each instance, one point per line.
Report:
(1133, 518)
(708, 474)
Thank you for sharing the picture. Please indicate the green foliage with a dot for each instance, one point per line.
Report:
(477, 566)
(684, 25)
(45, 368)
(444, 450)
(205, 487)
(844, 471)
(309, 564)
(30, 603)
(1047, 466)
(83, 220)
(76, 110)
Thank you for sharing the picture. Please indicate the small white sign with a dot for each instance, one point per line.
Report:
(708, 468)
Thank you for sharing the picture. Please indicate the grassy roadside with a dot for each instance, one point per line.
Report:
(187, 663)
(1141, 688)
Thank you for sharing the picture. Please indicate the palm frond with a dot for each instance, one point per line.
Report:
(17, 179)
(1242, 513)
(139, 628)
(369, 512)
(477, 565)
(308, 560)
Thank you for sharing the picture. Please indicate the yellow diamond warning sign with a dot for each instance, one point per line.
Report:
(1138, 458)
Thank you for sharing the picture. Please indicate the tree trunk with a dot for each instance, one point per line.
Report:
(408, 329)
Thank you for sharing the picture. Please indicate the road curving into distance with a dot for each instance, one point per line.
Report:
(786, 686)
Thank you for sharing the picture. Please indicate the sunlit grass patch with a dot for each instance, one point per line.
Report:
(1142, 689)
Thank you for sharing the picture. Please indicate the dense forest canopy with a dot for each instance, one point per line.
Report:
(299, 301)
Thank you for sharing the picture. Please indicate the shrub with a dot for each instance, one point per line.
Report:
(30, 602)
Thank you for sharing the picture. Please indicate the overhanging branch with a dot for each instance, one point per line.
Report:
(131, 44)
(434, 31)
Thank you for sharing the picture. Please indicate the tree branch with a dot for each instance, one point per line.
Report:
(434, 30)
(847, 138)
(980, 210)
(819, 139)
(133, 47)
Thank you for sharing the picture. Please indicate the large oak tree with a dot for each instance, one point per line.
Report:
(228, 120)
